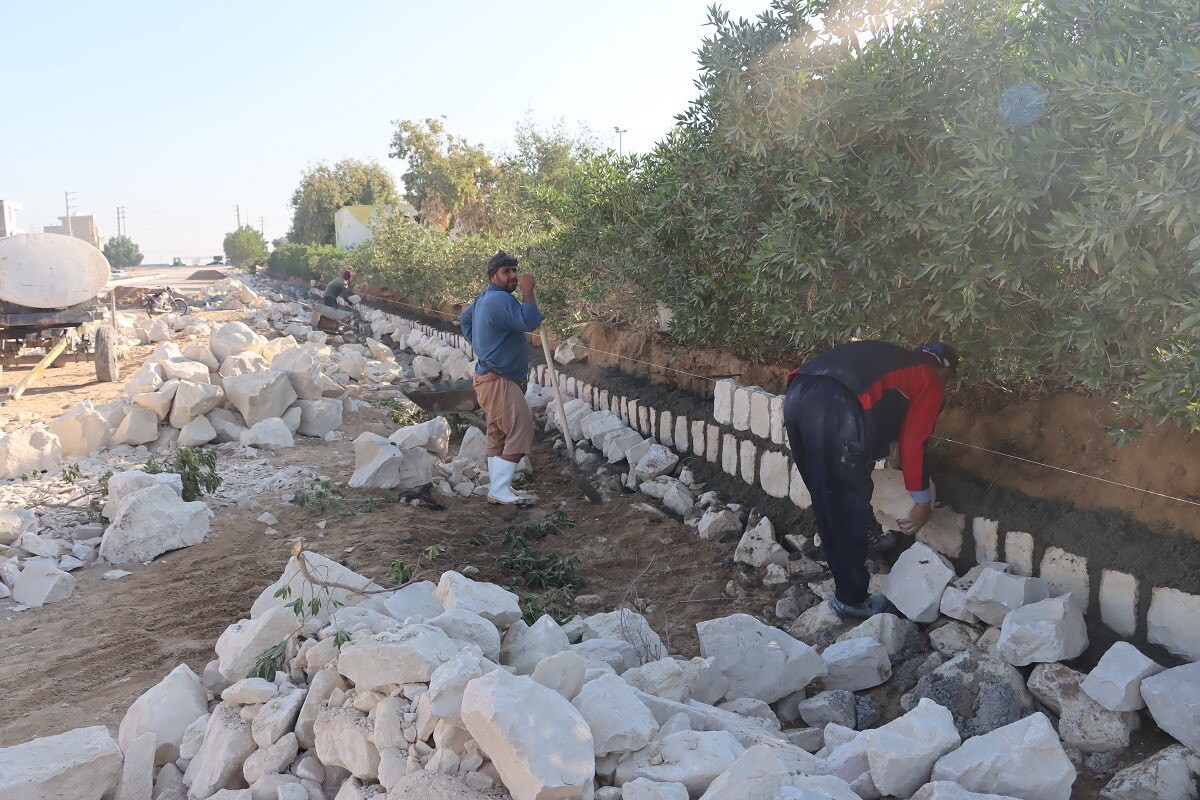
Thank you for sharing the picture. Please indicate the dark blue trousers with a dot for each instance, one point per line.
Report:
(825, 428)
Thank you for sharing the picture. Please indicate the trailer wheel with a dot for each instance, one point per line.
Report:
(107, 368)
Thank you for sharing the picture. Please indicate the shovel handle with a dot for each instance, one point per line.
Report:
(562, 410)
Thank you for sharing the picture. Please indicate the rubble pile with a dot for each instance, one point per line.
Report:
(443, 689)
(336, 688)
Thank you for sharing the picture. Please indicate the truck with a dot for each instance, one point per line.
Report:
(50, 287)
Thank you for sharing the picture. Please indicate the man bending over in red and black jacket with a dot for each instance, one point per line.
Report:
(843, 411)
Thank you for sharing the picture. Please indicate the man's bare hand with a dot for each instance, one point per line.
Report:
(916, 519)
(526, 283)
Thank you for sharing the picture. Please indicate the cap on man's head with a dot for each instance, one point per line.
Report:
(347, 274)
(944, 354)
(501, 259)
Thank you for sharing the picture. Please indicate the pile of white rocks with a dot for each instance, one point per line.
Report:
(43, 545)
(443, 690)
(417, 455)
(986, 646)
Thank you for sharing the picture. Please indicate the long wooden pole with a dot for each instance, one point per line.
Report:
(41, 367)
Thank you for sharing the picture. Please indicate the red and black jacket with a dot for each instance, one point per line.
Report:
(901, 397)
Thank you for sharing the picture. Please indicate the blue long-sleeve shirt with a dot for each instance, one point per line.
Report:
(495, 325)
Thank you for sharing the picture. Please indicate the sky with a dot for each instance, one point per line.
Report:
(184, 113)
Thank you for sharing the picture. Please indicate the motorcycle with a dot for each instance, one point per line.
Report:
(163, 301)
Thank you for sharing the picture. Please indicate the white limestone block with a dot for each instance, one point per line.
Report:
(1082, 722)
(1116, 680)
(758, 547)
(1169, 774)
(31, 448)
(775, 473)
(757, 660)
(260, 395)
(1049, 630)
(1066, 573)
(902, 753)
(1171, 621)
(191, 400)
(627, 626)
(498, 606)
(82, 764)
(226, 746)
(165, 710)
(81, 431)
(267, 434)
(41, 583)
(856, 664)
(152, 521)
(523, 646)
(1119, 601)
(762, 771)
(343, 739)
(466, 627)
(618, 720)
(693, 758)
(1173, 697)
(994, 594)
(562, 672)
(723, 400)
(409, 655)
(1023, 759)
(241, 643)
(539, 744)
(917, 581)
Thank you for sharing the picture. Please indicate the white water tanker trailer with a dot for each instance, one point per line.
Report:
(49, 288)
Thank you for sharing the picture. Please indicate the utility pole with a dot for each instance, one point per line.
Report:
(261, 228)
(67, 199)
(619, 131)
(239, 215)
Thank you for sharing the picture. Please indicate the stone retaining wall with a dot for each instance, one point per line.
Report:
(744, 437)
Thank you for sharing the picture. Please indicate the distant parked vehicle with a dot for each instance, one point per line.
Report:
(117, 273)
(163, 301)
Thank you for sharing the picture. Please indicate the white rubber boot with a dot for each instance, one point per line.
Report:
(500, 473)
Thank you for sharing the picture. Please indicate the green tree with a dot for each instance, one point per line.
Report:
(448, 179)
(121, 251)
(324, 189)
(245, 247)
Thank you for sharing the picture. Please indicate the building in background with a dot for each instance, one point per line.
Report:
(8, 217)
(81, 227)
(352, 224)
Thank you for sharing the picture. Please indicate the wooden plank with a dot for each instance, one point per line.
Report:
(42, 366)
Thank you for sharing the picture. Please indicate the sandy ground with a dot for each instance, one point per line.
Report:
(83, 661)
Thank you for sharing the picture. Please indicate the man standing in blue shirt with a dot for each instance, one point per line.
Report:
(495, 325)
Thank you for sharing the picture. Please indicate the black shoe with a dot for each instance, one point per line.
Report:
(880, 542)
(874, 604)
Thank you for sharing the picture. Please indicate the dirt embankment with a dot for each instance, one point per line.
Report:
(1067, 430)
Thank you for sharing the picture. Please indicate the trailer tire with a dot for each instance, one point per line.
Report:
(107, 368)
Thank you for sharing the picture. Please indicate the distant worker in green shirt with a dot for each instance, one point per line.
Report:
(338, 287)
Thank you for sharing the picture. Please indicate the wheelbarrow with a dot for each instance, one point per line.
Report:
(455, 397)
(330, 320)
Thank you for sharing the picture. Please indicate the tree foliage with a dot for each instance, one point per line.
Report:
(448, 179)
(121, 251)
(245, 247)
(306, 262)
(324, 189)
(1019, 178)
